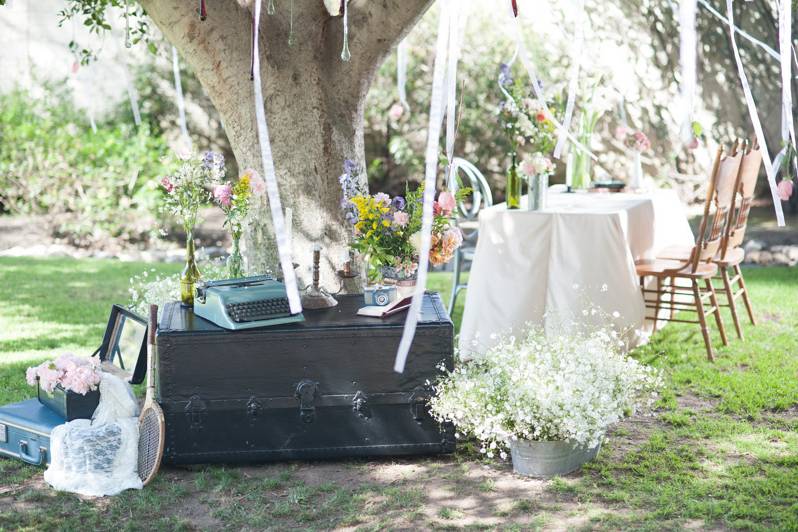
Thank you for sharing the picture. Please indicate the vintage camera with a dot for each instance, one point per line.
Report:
(379, 296)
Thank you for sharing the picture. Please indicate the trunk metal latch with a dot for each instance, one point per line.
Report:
(195, 409)
(306, 393)
(360, 405)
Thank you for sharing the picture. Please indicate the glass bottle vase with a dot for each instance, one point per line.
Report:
(513, 186)
(190, 274)
(235, 263)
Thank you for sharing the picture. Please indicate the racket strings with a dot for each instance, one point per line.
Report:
(150, 435)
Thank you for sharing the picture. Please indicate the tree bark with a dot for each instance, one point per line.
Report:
(314, 103)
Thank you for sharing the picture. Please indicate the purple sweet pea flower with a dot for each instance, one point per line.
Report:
(350, 166)
(505, 76)
(398, 203)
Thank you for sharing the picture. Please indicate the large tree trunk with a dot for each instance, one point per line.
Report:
(314, 102)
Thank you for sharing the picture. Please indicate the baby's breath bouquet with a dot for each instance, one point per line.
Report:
(565, 386)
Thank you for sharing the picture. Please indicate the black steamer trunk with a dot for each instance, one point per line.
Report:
(324, 388)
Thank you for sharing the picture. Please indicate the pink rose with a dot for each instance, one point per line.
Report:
(395, 112)
(223, 194)
(437, 210)
(167, 184)
(256, 183)
(785, 189)
(527, 167)
(401, 218)
(447, 202)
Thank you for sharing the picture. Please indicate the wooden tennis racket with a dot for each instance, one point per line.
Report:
(152, 428)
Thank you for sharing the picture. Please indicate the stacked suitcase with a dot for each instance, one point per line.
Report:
(25, 427)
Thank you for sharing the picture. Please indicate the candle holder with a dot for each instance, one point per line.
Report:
(314, 296)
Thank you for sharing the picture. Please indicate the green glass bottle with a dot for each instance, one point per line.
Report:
(190, 274)
(513, 185)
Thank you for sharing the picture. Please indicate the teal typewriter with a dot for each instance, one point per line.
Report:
(244, 303)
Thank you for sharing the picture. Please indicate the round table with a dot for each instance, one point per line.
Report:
(541, 267)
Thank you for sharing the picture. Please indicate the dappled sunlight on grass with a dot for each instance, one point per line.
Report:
(722, 452)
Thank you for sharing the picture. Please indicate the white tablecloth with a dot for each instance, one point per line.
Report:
(580, 250)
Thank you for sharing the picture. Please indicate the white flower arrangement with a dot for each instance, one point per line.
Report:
(567, 386)
(150, 288)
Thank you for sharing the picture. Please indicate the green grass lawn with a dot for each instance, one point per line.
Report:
(722, 451)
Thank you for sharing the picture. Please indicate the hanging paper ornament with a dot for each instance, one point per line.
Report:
(515, 8)
(270, 8)
(333, 7)
(203, 12)
(345, 55)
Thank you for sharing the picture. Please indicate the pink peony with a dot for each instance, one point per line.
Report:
(167, 184)
(256, 183)
(785, 189)
(447, 202)
(401, 218)
(396, 111)
(223, 194)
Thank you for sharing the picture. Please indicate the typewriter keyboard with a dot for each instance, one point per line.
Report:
(258, 310)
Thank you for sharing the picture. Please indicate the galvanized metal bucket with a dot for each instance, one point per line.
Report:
(537, 190)
(549, 458)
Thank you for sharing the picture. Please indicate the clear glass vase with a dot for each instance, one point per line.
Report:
(513, 185)
(190, 274)
(235, 263)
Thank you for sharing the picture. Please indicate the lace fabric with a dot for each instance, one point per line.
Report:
(98, 457)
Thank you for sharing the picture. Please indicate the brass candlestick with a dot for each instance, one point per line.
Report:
(316, 297)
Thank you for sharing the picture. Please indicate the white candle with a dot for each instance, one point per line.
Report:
(569, 170)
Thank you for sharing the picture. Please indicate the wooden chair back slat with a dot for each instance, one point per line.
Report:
(720, 195)
(749, 172)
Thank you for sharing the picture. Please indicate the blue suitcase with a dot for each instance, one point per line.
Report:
(25, 431)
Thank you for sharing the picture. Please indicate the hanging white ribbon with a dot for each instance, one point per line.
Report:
(456, 28)
(787, 124)
(760, 134)
(688, 47)
(573, 76)
(401, 73)
(181, 104)
(773, 53)
(132, 94)
(430, 175)
(523, 54)
(275, 206)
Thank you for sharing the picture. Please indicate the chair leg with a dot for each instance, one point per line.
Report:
(702, 319)
(672, 297)
(455, 281)
(747, 301)
(657, 304)
(724, 273)
(718, 319)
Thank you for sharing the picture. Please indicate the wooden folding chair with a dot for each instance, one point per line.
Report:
(698, 269)
(731, 254)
